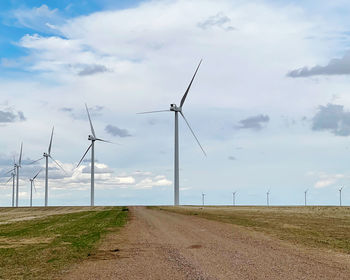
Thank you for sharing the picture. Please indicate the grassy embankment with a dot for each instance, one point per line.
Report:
(313, 226)
(41, 248)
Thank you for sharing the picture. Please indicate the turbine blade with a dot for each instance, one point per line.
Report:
(99, 139)
(150, 112)
(57, 164)
(189, 86)
(84, 155)
(9, 171)
(8, 180)
(36, 160)
(49, 150)
(20, 156)
(37, 174)
(193, 133)
(34, 186)
(92, 128)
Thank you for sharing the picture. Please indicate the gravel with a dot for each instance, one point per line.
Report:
(161, 245)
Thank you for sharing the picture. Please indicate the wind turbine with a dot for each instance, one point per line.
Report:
(340, 195)
(203, 195)
(92, 138)
(17, 167)
(13, 178)
(13, 174)
(47, 156)
(31, 187)
(178, 110)
(267, 198)
(234, 198)
(305, 192)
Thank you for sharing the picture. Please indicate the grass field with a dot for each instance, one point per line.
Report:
(320, 227)
(38, 243)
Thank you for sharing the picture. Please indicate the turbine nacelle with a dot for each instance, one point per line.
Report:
(174, 108)
(91, 138)
(45, 154)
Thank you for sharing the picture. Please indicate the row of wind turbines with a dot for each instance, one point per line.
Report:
(268, 197)
(93, 138)
(46, 155)
(305, 197)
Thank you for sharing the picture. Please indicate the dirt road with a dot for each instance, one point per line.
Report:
(160, 245)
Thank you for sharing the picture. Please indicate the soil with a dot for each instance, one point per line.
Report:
(161, 245)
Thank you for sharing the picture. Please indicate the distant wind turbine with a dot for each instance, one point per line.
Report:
(234, 198)
(267, 198)
(17, 167)
(340, 190)
(31, 187)
(47, 156)
(177, 110)
(305, 193)
(92, 138)
(203, 195)
(13, 178)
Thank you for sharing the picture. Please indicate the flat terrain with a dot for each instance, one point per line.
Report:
(10, 215)
(40, 243)
(165, 245)
(324, 227)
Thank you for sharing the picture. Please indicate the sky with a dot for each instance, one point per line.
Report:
(270, 103)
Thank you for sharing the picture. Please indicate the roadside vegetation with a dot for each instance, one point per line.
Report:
(314, 226)
(41, 248)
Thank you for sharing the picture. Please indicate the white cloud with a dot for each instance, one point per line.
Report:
(38, 18)
(150, 52)
(326, 180)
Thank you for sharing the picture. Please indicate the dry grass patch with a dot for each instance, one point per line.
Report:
(313, 226)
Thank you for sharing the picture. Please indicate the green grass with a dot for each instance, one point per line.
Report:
(312, 226)
(41, 248)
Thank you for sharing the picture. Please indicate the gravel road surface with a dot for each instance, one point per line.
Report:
(160, 245)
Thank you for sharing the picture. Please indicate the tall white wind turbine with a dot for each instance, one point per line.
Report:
(178, 110)
(17, 167)
(31, 187)
(305, 193)
(47, 156)
(234, 198)
(13, 178)
(92, 138)
(203, 195)
(340, 190)
(268, 198)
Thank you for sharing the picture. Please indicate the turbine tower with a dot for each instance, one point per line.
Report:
(13, 173)
(47, 156)
(92, 138)
(203, 195)
(340, 190)
(305, 193)
(17, 167)
(234, 198)
(31, 187)
(178, 110)
(13, 178)
(267, 198)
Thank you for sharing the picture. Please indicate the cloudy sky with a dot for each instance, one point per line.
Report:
(270, 103)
